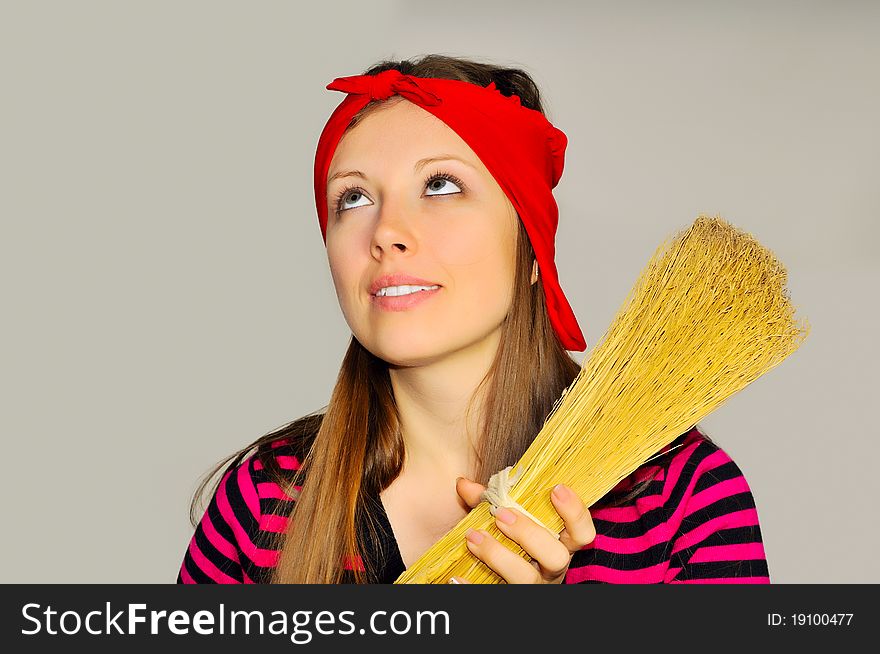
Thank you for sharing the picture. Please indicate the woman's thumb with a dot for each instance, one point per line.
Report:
(469, 491)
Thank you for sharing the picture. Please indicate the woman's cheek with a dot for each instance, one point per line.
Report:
(466, 241)
(345, 279)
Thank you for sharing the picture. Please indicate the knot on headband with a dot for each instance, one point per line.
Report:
(497, 493)
(383, 85)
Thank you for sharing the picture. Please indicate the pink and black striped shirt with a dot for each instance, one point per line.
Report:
(695, 522)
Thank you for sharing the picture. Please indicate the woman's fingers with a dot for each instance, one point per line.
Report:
(513, 568)
(552, 556)
(579, 530)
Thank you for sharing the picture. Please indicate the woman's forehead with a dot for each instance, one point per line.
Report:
(402, 130)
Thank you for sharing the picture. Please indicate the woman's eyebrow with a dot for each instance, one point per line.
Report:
(421, 163)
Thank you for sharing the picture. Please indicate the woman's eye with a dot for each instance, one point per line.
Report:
(442, 184)
(349, 196)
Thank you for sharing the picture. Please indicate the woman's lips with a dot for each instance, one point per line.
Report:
(402, 302)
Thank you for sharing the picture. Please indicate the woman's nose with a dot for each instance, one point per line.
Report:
(392, 230)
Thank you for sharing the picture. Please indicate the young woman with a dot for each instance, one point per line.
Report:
(433, 184)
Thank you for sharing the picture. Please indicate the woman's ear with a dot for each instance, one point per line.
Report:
(535, 272)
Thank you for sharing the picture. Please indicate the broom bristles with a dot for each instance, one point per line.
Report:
(708, 315)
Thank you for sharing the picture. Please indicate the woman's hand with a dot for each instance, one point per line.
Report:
(550, 557)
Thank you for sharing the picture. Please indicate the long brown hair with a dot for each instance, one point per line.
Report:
(354, 448)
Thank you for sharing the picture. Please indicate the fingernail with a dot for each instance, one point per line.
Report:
(561, 492)
(474, 536)
(453, 580)
(505, 515)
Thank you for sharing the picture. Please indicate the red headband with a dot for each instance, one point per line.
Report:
(518, 145)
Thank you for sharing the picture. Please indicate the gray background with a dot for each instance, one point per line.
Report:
(166, 296)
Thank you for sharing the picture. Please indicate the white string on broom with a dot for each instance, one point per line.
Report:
(497, 493)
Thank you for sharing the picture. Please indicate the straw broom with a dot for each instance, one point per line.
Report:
(708, 315)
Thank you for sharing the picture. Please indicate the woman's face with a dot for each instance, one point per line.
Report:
(446, 222)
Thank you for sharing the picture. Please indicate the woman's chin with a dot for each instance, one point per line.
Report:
(398, 357)
(405, 349)
(406, 352)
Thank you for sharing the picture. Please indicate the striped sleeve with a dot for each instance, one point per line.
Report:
(717, 536)
(224, 548)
